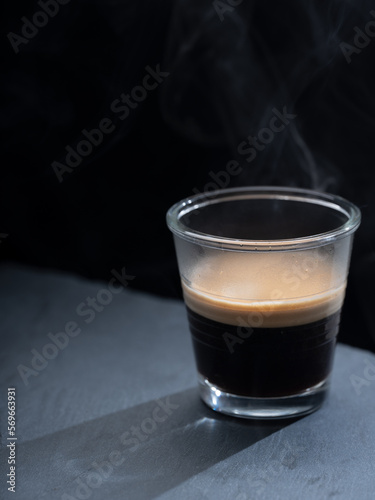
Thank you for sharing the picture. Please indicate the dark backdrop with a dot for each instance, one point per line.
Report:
(218, 69)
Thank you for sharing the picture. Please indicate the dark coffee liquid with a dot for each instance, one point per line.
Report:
(264, 362)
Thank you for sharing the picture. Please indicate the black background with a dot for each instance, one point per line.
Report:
(227, 70)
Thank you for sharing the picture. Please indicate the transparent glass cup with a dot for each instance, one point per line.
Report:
(263, 273)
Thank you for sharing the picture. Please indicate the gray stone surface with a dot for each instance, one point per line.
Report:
(116, 413)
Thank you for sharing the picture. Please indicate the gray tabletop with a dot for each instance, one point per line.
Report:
(107, 406)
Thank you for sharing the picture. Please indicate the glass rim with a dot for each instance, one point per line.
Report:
(201, 200)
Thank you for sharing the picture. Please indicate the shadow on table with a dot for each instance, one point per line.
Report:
(142, 451)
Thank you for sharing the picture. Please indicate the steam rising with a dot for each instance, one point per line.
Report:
(231, 67)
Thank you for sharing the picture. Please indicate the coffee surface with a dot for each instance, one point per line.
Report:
(265, 290)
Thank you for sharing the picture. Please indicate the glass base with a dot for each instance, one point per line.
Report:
(263, 408)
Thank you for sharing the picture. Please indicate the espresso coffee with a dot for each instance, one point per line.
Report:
(264, 362)
(264, 326)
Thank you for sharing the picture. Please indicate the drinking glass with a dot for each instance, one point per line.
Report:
(263, 273)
